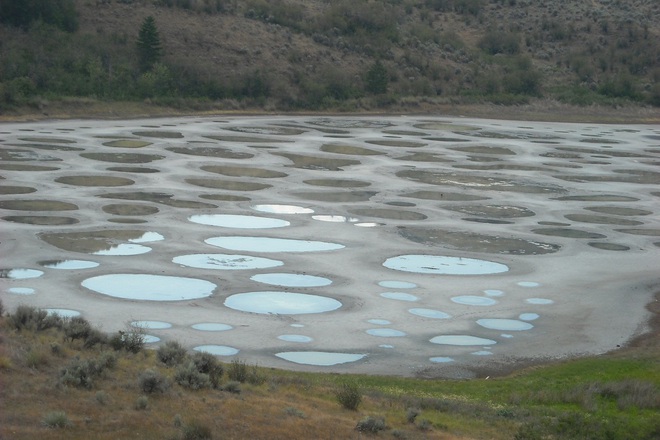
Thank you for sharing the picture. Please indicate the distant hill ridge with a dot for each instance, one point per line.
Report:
(340, 55)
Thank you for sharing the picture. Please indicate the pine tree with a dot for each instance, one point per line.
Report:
(377, 78)
(149, 48)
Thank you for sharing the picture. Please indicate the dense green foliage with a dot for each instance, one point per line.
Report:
(343, 54)
(22, 13)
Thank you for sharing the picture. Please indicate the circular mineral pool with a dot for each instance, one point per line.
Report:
(295, 338)
(124, 249)
(528, 316)
(154, 325)
(270, 244)
(482, 353)
(379, 321)
(217, 350)
(472, 300)
(69, 264)
(504, 324)
(397, 284)
(284, 303)
(539, 301)
(493, 292)
(291, 280)
(367, 224)
(436, 264)
(238, 221)
(211, 327)
(319, 358)
(386, 332)
(64, 313)
(335, 218)
(225, 261)
(429, 313)
(399, 296)
(461, 340)
(283, 209)
(20, 274)
(528, 284)
(21, 290)
(150, 339)
(150, 287)
(441, 359)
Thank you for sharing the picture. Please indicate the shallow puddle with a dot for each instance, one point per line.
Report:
(568, 233)
(609, 246)
(396, 143)
(282, 303)
(276, 130)
(69, 264)
(504, 324)
(225, 262)
(397, 284)
(41, 220)
(217, 350)
(20, 274)
(225, 197)
(223, 153)
(618, 210)
(122, 157)
(399, 296)
(528, 316)
(649, 232)
(317, 162)
(349, 149)
(602, 220)
(127, 143)
(291, 280)
(102, 242)
(394, 214)
(126, 209)
(295, 338)
(424, 157)
(539, 301)
(21, 291)
(319, 358)
(270, 244)
(429, 313)
(95, 181)
(159, 134)
(379, 321)
(598, 198)
(337, 183)
(444, 265)
(465, 340)
(37, 205)
(243, 171)
(477, 181)
(335, 218)
(337, 197)
(441, 359)
(158, 197)
(5, 190)
(473, 242)
(146, 287)
(64, 313)
(385, 332)
(528, 284)
(496, 211)
(230, 185)
(136, 170)
(238, 221)
(444, 196)
(283, 209)
(483, 149)
(21, 167)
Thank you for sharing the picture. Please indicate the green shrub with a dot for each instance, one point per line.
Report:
(411, 414)
(232, 387)
(102, 398)
(36, 358)
(151, 381)
(172, 353)
(142, 403)
(494, 42)
(208, 364)
(56, 419)
(371, 425)
(80, 372)
(188, 376)
(238, 371)
(131, 341)
(294, 412)
(77, 327)
(349, 395)
(32, 318)
(196, 430)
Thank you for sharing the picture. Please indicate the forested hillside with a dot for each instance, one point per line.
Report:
(339, 55)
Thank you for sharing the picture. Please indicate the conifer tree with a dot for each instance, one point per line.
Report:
(377, 78)
(149, 48)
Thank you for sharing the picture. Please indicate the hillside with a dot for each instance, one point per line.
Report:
(341, 55)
